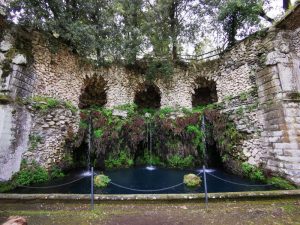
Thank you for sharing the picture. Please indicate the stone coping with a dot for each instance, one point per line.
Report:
(98, 198)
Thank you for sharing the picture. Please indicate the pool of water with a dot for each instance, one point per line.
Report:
(143, 180)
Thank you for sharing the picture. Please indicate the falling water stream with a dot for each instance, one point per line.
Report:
(89, 141)
(149, 146)
(203, 129)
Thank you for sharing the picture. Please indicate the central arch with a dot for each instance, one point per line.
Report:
(148, 97)
(205, 92)
(93, 93)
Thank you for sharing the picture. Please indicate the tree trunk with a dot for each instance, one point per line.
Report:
(233, 30)
(173, 28)
(286, 4)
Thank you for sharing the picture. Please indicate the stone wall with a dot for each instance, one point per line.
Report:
(17, 81)
(257, 81)
(278, 85)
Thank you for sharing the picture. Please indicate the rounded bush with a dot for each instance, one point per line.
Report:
(101, 181)
(192, 180)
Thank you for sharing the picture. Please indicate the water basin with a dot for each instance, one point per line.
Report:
(142, 180)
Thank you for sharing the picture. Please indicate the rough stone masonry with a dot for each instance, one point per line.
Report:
(258, 80)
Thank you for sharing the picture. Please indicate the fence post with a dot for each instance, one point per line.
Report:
(92, 188)
(205, 187)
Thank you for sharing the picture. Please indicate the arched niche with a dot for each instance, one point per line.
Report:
(205, 92)
(148, 97)
(93, 93)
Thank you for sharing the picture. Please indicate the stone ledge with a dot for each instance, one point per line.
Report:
(152, 197)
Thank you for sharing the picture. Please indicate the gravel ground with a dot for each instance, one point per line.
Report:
(286, 211)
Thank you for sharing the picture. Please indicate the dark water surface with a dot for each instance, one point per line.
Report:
(143, 179)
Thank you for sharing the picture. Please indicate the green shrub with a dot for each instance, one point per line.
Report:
(6, 186)
(98, 133)
(129, 108)
(55, 172)
(149, 159)
(121, 160)
(101, 181)
(164, 112)
(191, 180)
(176, 161)
(253, 172)
(31, 174)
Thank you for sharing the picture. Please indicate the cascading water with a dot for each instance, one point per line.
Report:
(204, 140)
(89, 141)
(149, 145)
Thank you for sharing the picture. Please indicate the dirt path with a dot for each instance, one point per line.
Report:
(225, 213)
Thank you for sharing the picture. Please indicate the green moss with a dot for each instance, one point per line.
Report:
(34, 140)
(71, 107)
(44, 103)
(101, 181)
(243, 96)
(5, 99)
(280, 183)
(294, 95)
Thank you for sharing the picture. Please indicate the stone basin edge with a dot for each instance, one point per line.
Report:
(98, 198)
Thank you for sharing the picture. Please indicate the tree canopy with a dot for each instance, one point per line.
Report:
(126, 30)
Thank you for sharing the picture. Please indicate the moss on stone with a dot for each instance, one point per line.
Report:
(5, 99)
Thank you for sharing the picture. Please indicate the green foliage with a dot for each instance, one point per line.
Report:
(34, 140)
(101, 181)
(6, 186)
(164, 112)
(177, 161)
(159, 69)
(71, 107)
(236, 14)
(55, 172)
(83, 124)
(253, 172)
(30, 174)
(198, 137)
(149, 159)
(98, 133)
(280, 183)
(44, 103)
(201, 108)
(131, 109)
(120, 160)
